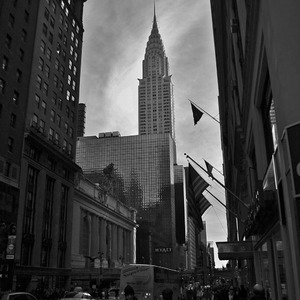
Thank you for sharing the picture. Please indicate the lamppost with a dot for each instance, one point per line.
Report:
(101, 258)
(92, 259)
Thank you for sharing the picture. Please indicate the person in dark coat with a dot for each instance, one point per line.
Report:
(258, 292)
(129, 293)
(167, 294)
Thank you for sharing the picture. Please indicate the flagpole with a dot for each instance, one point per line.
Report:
(226, 207)
(214, 168)
(204, 111)
(220, 183)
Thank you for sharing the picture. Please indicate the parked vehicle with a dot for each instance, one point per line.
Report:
(18, 296)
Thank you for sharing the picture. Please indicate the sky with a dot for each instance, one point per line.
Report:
(114, 43)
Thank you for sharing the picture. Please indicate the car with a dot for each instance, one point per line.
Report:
(77, 295)
(113, 293)
(18, 296)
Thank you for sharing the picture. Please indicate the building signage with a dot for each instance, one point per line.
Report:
(163, 250)
(235, 250)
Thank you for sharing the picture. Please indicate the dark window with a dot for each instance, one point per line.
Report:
(21, 54)
(10, 144)
(11, 21)
(13, 119)
(15, 97)
(8, 41)
(19, 75)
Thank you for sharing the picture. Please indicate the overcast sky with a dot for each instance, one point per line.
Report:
(114, 43)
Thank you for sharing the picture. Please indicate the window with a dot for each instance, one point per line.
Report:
(74, 85)
(68, 95)
(45, 88)
(41, 64)
(49, 53)
(60, 33)
(43, 46)
(58, 121)
(24, 35)
(56, 64)
(7, 169)
(34, 120)
(26, 16)
(42, 126)
(75, 71)
(8, 41)
(52, 116)
(44, 107)
(53, 6)
(62, 70)
(69, 79)
(10, 143)
(45, 29)
(61, 87)
(66, 127)
(13, 119)
(59, 104)
(11, 21)
(47, 71)
(15, 97)
(19, 75)
(71, 50)
(37, 100)
(21, 54)
(51, 134)
(55, 80)
(50, 37)
(71, 132)
(68, 111)
(46, 13)
(5, 63)
(39, 82)
(52, 22)
(66, 26)
(2, 86)
(54, 98)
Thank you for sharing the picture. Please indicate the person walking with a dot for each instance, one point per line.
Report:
(129, 293)
(167, 294)
(258, 292)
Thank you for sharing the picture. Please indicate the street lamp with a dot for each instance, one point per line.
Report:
(101, 258)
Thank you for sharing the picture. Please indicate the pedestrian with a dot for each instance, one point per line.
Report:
(129, 293)
(242, 293)
(258, 292)
(167, 294)
(232, 294)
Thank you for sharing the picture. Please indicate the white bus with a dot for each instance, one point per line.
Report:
(148, 281)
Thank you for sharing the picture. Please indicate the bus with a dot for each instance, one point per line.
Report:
(148, 281)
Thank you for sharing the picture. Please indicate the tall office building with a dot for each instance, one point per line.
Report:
(40, 56)
(146, 171)
(156, 102)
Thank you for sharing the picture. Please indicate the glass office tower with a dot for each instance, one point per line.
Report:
(144, 168)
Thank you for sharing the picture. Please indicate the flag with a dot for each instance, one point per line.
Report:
(204, 204)
(197, 114)
(196, 186)
(209, 168)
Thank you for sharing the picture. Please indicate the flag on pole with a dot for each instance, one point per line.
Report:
(209, 168)
(197, 184)
(197, 114)
(203, 205)
(196, 203)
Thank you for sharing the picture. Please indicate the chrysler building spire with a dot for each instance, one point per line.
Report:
(156, 105)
